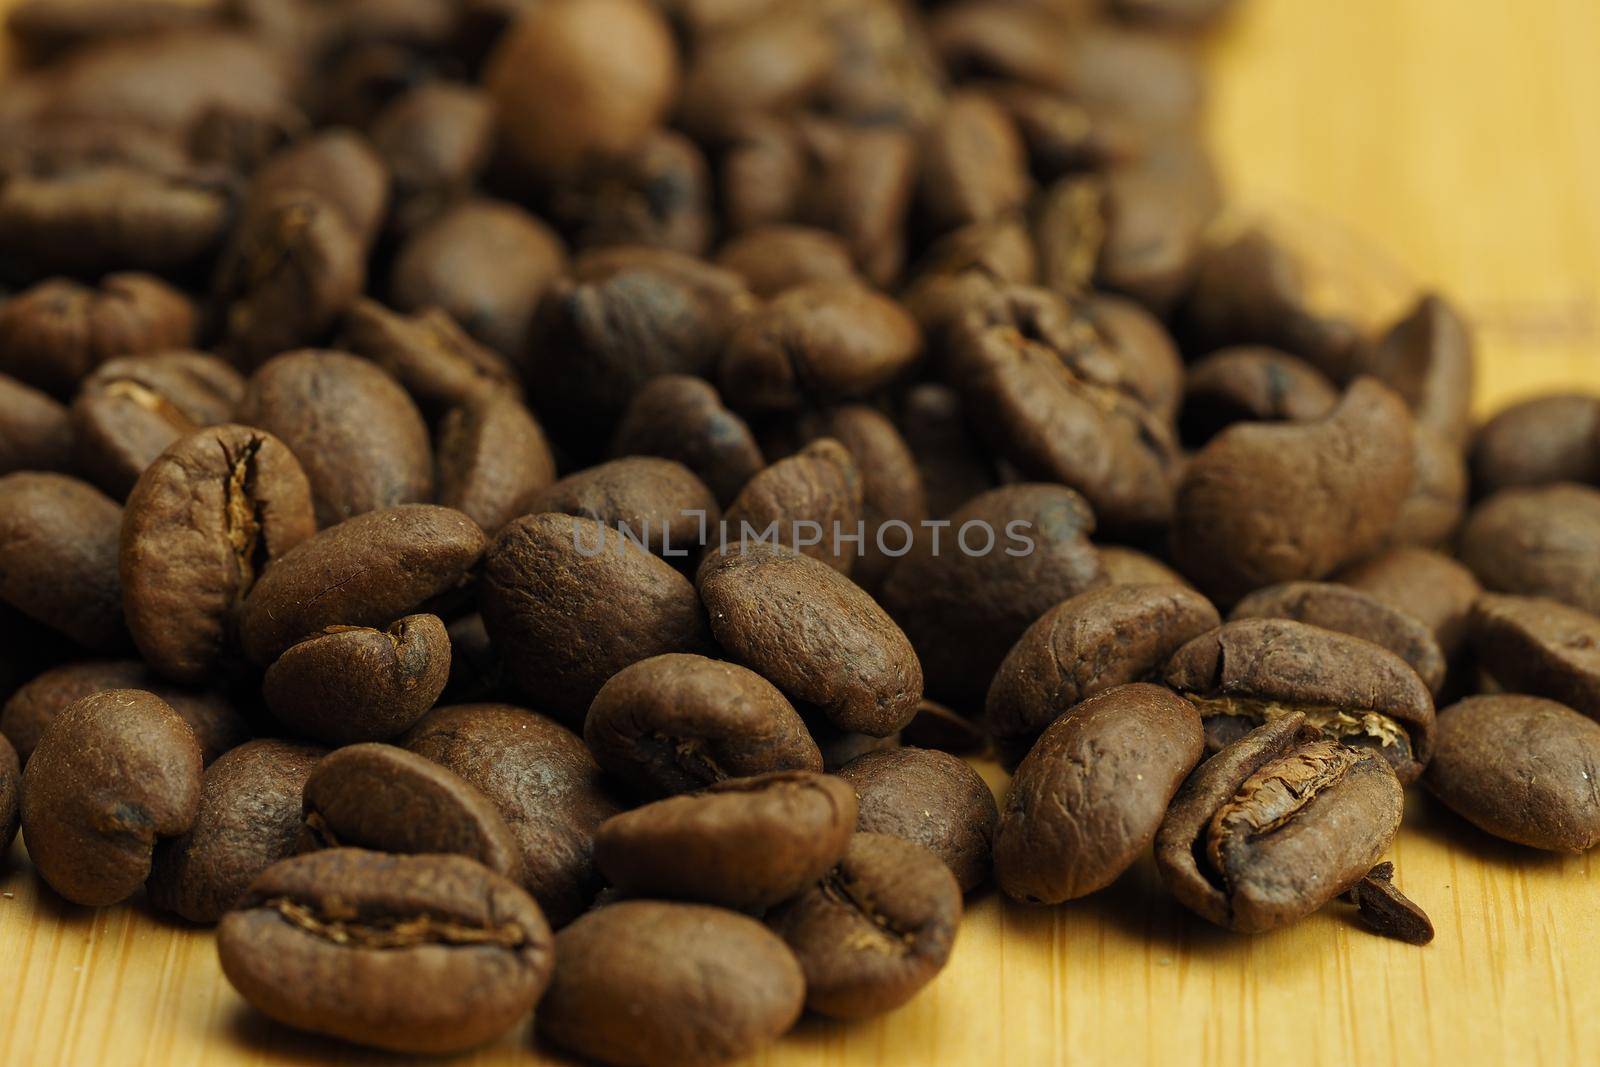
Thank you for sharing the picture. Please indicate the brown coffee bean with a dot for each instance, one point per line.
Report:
(814, 634)
(676, 723)
(414, 954)
(955, 468)
(1386, 910)
(1541, 647)
(569, 603)
(46, 29)
(774, 259)
(937, 727)
(681, 418)
(484, 262)
(112, 774)
(1251, 384)
(974, 167)
(345, 684)
(1434, 589)
(1542, 541)
(435, 139)
(544, 783)
(249, 819)
(10, 794)
(54, 334)
(763, 66)
(963, 610)
(1099, 639)
(1259, 670)
(1263, 504)
(1276, 825)
(1089, 797)
(1437, 501)
(657, 195)
(1158, 206)
(1151, 367)
(931, 799)
(744, 843)
(809, 502)
(1427, 358)
(1520, 768)
(58, 557)
(357, 434)
(660, 504)
(366, 571)
(1063, 136)
(342, 168)
(491, 459)
(876, 930)
(1538, 442)
(1129, 566)
(1350, 611)
(35, 433)
(966, 270)
(656, 984)
(202, 523)
(1069, 228)
(439, 364)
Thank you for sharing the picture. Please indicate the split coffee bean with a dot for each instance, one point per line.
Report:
(931, 799)
(1541, 647)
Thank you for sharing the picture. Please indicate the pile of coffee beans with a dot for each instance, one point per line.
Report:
(523, 506)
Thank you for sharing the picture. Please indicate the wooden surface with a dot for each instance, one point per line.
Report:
(1447, 142)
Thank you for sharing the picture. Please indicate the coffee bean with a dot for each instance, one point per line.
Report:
(1520, 768)
(1257, 670)
(974, 167)
(964, 271)
(1251, 384)
(814, 634)
(491, 459)
(654, 984)
(954, 466)
(676, 723)
(931, 799)
(1089, 797)
(10, 794)
(1431, 588)
(937, 727)
(35, 433)
(1129, 566)
(1541, 647)
(656, 502)
(1539, 442)
(875, 930)
(1105, 637)
(1542, 541)
(681, 418)
(1427, 358)
(1151, 367)
(1350, 611)
(414, 954)
(46, 29)
(1437, 500)
(774, 259)
(112, 774)
(345, 684)
(809, 502)
(766, 65)
(743, 843)
(204, 520)
(248, 819)
(1157, 208)
(342, 168)
(1387, 910)
(366, 571)
(544, 783)
(439, 364)
(356, 433)
(1276, 825)
(58, 557)
(435, 139)
(1261, 505)
(658, 195)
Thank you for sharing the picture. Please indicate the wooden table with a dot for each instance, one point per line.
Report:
(1450, 142)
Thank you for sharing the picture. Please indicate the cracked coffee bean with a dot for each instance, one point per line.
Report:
(1386, 910)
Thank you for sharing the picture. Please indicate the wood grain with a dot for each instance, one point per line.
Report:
(1427, 140)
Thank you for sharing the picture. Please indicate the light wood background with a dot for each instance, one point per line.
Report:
(1451, 142)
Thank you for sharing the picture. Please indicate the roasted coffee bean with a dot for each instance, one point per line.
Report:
(435, 139)
(45, 29)
(345, 684)
(366, 571)
(1129, 566)
(439, 364)
(808, 502)
(937, 727)
(931, 799)
(1151, 367)
(954, 466)
(974, 167)
(1350, 611)
(249, 818)
(35, 432)
(545, 784)
(1099, 639)
(766, 65)
(484, 262)
(390, 800)
(1089, 797)
(578, 82)
(963, 272)
(217, 723)
(1251, 384)
(875, 930)
(1258, 670)
(657, 195)
(357, 434)
(54, 334)
(1437, 501)
(1387, 910)
(1007, 557)
(814, 634)
(569, 602)
(1539, 442)
(660, 504)
(1520, 768)
(681, 418)
(1541, 647)
(1157, 208)
(1069, 228)
(414, 954)
(58, 557)
(649, 984)
(203, 522)
(819, 343)
(1427, 358)
(491, 458)
(774, 259)
(1265, 503)
(10, 794)
(342, 168)
(676, 723)
(112, 774)
(1542, 541)
(1434, 589)
(744, 843)
(1276, 825)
